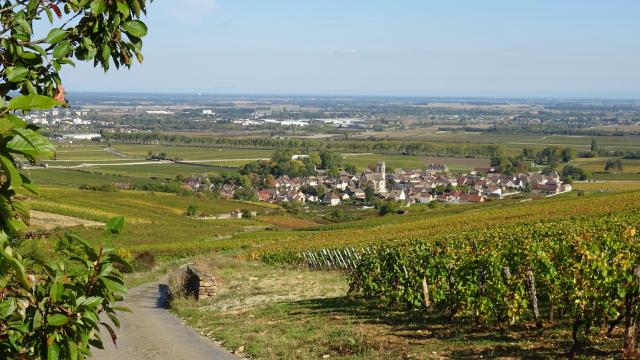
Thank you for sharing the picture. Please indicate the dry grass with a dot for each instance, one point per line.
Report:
(47, 221)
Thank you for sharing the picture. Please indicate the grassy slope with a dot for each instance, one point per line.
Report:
(288, 313)
(154, 221)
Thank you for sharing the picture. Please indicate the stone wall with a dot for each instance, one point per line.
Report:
(199, 284)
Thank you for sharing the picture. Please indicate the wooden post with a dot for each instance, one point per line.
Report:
(531, 284)
(630, 314)
(425, 292)
(452, 288)
(506, 272)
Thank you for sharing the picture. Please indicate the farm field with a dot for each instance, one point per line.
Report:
(91, 152)
(414, 162)
(514, 143)
(611, 186)
(155, 222)
(631, 168)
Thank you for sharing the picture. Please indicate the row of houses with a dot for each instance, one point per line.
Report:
(434, 183)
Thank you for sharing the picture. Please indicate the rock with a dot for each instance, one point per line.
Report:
(325, 356)
(239, 350)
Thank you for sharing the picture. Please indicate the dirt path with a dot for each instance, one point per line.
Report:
(49, 221)
(151, 332)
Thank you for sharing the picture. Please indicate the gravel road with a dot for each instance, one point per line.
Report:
(152, 332)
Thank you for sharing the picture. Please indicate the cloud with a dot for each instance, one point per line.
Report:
(191, 11)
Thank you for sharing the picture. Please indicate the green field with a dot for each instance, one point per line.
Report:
(362, 161)
(155, 222)
(631, 169)
(513, 142)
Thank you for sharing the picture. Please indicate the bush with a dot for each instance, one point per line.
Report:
(144, 261)
(192, 210)
(47, 311)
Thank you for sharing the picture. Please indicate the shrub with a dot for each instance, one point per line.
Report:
(144, 261)
(52, 309)
(192, 210)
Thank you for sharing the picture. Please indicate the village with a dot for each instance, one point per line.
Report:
(417, 186)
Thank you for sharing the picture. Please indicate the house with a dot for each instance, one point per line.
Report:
(267, 195)
(425, 197)
(331, 199)
(298, 196)
(547, 188)
(471, 198)
(437, 168)
(236, 214)
(494, 191)
(398, 195)
(358, 194)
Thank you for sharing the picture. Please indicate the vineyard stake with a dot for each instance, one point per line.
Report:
(452, 288)
(425, 292)
(531, 284)
(506, 272)
(630, 314)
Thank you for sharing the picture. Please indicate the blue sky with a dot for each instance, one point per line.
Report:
(402, 47)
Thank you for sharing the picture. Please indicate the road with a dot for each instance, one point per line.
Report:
(151, 332)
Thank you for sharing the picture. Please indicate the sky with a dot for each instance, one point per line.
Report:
(528, 48)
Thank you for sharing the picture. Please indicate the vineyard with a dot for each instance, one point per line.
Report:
(424, 225)
(583, 270)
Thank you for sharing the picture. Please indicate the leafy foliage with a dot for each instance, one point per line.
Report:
(51, 310)
(583, 268)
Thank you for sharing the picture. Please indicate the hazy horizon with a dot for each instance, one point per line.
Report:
(496, 48)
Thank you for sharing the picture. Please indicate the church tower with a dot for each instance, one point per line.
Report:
(381, 168)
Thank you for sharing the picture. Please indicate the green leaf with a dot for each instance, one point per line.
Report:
(16, 265)
(16, 73)
(115, 225)
(13, 175)
(113, 286)
(10, 121)
(62, 49)
(135, 28)
(53, 352)
(7, 307)
(123, 9)
(56, 35)
(31, 144)
(73, 349)
(56, 291)
(57, 319)
(32, 102)
(92, 301)
(97, 7)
